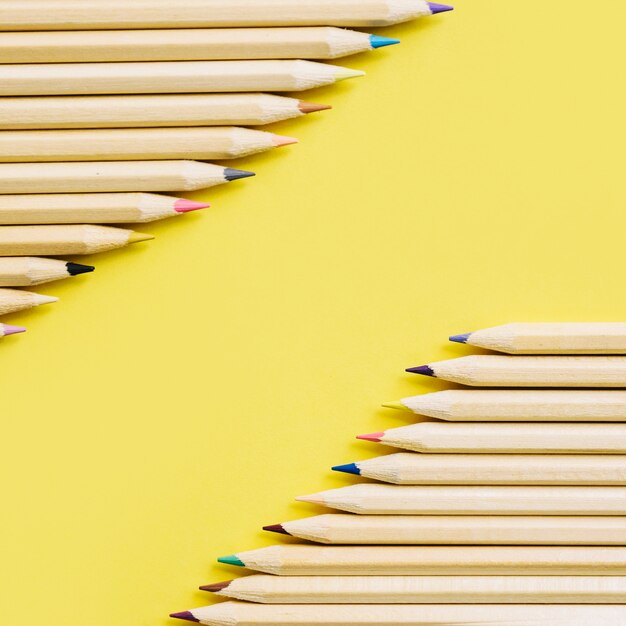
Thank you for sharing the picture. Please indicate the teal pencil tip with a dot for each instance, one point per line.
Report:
(376, 41)
(231, 559)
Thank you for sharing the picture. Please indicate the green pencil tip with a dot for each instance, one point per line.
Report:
(395, 405)
(231, 560)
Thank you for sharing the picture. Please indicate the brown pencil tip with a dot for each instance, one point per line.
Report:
(312, 107)
(216, 587)
(276, 528)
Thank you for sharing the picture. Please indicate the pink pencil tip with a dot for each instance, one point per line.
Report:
(184, 206)
(279, 141)
(372, 437)
(13, 330)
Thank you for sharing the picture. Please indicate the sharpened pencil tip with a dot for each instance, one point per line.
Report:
(276, 528)
(231, 559)
(185, 206)
(311, 107)
(231, 174)
(439, 8)
(74, 269)
(215, 587)
(279, 140)
(376, 437)
(460, 338)
(350, 468)
(137, 237)
(376, 41)
(424, 370)
(342, 73)
(185, 615)
(13, 330)
(395, 405)
(313, 499)
(39, 299)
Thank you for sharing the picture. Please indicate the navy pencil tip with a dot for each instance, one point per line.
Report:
(424, 370)
(376, 41)
(185, 615)
(231, 174)
(460, 338)
(350, 468)
(276, 528)
(435, 7)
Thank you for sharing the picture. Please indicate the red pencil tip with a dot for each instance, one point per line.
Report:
(216, 587)
(276, 528)
(372, 437)
(184, 206)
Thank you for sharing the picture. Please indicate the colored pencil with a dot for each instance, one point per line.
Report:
(33, 178)
(7, 329)
(267, 589)
(26, 271)
(248, 614)
(74, 239)
(345, 528)
(486, 438)
(114, 144)
(313, 560)
(88, 46)
(13, 300)
(519, 405)
(530, 371)
(167, 77)
(408, 468)
(92, 208)
(374, 499)
(553, 338)
(74, 14)
(219, 109)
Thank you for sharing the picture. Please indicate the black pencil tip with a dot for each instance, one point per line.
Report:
(73, 269)
(232, 174)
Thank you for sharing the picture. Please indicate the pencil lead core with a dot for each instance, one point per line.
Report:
(342, 73)
(216, 587)
(39, 299)
(231, 559)
(231, 174)
(137, 237)
(439, 8)
(460, 338)
(424, 370)
(73, 269)
(376, 437)
(13, 330)
(184, 206)
(395, 405)
(376, 41)
(313, 499)
(279, 140)
(276, 528)
(185, 615)
(311, 107)
(350, 468)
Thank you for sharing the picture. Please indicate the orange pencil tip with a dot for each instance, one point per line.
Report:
(311, 107)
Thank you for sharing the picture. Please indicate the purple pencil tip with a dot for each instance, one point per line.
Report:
(424, 370)
(185, 615)
(439, 8)
(460, 338)
(276, 528)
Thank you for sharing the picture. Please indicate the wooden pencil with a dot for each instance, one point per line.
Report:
(71, 239)
(115, 144)
(408, 468)
(237, 613)
(519, 438)
(198, 44)
(13, 300)
(75, 14)
(267, 589)
(519, 405)
(7, 329)
(102, 176)
(345, 528)
(27, 271)
(313, 560)
(374, 499)
(218, 109)
(167, 77)
(92, 208)
(551, 338)
(530, 371)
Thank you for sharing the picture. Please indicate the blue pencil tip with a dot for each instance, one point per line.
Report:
(460, 338)
(424, 370)
(350, 468)
(439, 8)
(376, 41)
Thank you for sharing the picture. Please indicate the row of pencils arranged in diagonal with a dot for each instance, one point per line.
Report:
(508, 505)
(103, 105)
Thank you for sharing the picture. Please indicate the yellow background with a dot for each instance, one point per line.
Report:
(180, 397)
